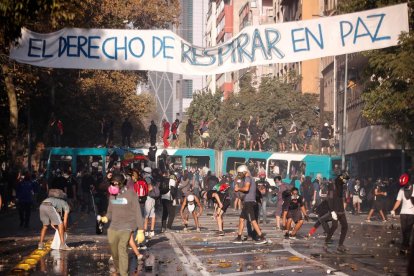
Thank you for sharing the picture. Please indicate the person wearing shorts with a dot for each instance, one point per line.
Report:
(248, 186)
(191, 204)
(295, 208)
(49, 212)
(221, 201)
(149, 213)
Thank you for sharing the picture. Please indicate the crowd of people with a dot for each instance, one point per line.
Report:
(251, 136)
(130, 200)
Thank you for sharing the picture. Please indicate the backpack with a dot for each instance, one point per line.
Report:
(57, 193)
(151, 153)
(155, 192)
(141, 188)
(165, 186)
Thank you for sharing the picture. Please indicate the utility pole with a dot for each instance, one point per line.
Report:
(321, 109)
(344, 115)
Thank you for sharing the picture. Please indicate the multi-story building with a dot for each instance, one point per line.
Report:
(309, 70)
(174, 92)
(253, 13)
(371, 150)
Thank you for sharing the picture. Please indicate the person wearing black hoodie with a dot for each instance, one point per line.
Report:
(335, 200)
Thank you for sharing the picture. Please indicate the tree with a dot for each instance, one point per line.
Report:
(73, 94)
(389, 94)
(14, 15)
(274, 101)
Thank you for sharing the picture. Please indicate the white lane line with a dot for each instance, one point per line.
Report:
(287, 247)
(180, 254)
(227, 247)
(242, 253)
(192, 258)
(268, 270)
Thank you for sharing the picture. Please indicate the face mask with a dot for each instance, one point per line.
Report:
(295, 196)
(113, 190)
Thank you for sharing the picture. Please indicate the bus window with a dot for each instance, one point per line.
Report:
(233, 163)
(176, 162)
(61, 162)
(90, 163)
(197, 162)
(297, 169)
(277, 167)
(256, 165)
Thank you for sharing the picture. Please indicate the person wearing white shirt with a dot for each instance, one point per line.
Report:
(406, 198)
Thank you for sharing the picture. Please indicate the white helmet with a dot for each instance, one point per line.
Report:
(326, 124)
(190, 198)
(147, 170)
(242, 169)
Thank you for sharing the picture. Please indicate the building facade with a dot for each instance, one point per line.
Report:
(370, 150)
(173, 93)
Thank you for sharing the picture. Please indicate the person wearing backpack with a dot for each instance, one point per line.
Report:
(140, 188)
(153, 194)
(167, 187)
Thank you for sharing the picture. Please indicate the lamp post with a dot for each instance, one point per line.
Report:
(344, 115)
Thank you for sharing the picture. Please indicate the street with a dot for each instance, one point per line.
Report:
(373, 250)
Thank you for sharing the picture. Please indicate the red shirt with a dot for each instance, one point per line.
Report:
(166, 127)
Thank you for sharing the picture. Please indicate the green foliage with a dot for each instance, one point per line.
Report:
(273, 102)
(80, 98)
(389, 93)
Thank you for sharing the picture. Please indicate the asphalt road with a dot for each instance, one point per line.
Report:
(373, 250)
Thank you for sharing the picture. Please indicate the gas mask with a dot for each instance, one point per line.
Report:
(113, 189)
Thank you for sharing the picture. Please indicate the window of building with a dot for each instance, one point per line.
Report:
(188, 89)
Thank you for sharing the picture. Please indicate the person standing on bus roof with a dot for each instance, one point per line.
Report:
(153, 133)
(126, 132)
(189, 133)
(166, 133)
(325, 135)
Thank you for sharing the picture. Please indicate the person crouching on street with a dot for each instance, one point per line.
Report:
(124, 212)
(49, 212)
(191, 205)
(295, 208)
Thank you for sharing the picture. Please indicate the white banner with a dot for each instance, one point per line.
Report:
(162, 50)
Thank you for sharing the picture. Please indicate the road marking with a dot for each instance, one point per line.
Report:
(181, 256)
(287, 247)
(268, 270)
(242, 253)
(227, 247)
